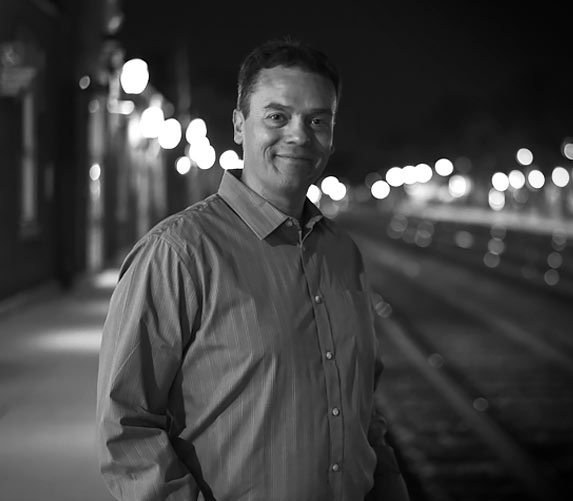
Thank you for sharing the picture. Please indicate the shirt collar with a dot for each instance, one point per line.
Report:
(259, 214)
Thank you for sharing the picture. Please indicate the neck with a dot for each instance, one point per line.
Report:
(291, 204)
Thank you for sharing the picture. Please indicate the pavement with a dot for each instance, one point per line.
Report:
(48, 373)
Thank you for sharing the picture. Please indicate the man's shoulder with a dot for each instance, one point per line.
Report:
(184, 229)
(190, 222)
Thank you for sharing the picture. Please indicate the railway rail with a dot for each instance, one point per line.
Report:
(479, 371)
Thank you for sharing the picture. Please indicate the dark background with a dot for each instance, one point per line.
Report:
(421, 79)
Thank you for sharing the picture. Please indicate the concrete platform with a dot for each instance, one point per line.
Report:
(48, 371)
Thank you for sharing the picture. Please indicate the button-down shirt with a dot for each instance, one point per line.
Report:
(239, 359)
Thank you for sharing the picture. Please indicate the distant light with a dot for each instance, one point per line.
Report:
(338, 192)
(524, 156)
(196, 129)
(134, 76)
(169, 134)
(206, 158)
(496, 199)
(560, 177)
(568, 150)
(328, 184)
(409, 174)
(500, 181)
(93, 106)
(536, 179)
(554, 259)
(551, 277)
(491, 260)
(516, 179)
(496, 245)
(423, 173)
(444, 167)
(314, 194)
(458, 186)
(95, 172)
(228, 159)
(151, 121)
(183, 165)
(464, 239)
(84, 82)
(480, 404)
(121, 107)
(395, 177)
(198, 148)
(380, 189)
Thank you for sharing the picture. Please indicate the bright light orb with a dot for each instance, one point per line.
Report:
(524, 156)
(196, 129)
(183, 165)
(328, 184)
(170, 134)
(568, 150)
(516, 179)
(496, 199)
(228, 160)
(423, 173)
(409, 173)
(536, 179)
(95, 172)
(444, 167)
(500, 181)
(206, 158)
(380, 189)
(338, 192)
(458, 186)
(395, 177)
(134, 76)
(314, 194)
(199, 145)
(151, 121)
(560, 177)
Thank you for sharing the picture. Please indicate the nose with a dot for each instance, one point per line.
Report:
(297, 132)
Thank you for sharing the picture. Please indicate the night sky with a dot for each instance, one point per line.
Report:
(420, 79)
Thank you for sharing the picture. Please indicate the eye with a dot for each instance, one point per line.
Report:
(319, 122)
(275, 117)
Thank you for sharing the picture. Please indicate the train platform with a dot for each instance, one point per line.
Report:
(48, 371)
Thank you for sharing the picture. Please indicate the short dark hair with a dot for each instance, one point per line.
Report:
(283, 52)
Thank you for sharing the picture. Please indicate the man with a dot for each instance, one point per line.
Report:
(238, 359)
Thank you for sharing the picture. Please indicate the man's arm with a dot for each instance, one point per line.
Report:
(389, 484)
(141, 351)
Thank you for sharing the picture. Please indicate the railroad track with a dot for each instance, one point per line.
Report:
(479, 400)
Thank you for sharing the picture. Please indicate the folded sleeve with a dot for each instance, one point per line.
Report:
(149, 322)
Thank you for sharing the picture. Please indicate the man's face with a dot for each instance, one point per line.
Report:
(287, 136)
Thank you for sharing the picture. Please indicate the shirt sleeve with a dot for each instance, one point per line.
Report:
(146, 330)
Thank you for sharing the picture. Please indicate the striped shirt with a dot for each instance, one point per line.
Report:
(238, 359)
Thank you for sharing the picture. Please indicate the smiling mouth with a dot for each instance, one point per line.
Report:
(295, 158)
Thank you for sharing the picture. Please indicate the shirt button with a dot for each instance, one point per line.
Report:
(329, 355)
(335, 467)
(289, 223)
(317, 299)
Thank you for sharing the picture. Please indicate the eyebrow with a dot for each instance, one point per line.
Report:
(312, 111)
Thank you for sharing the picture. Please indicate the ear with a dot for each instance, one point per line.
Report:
(238, 124)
